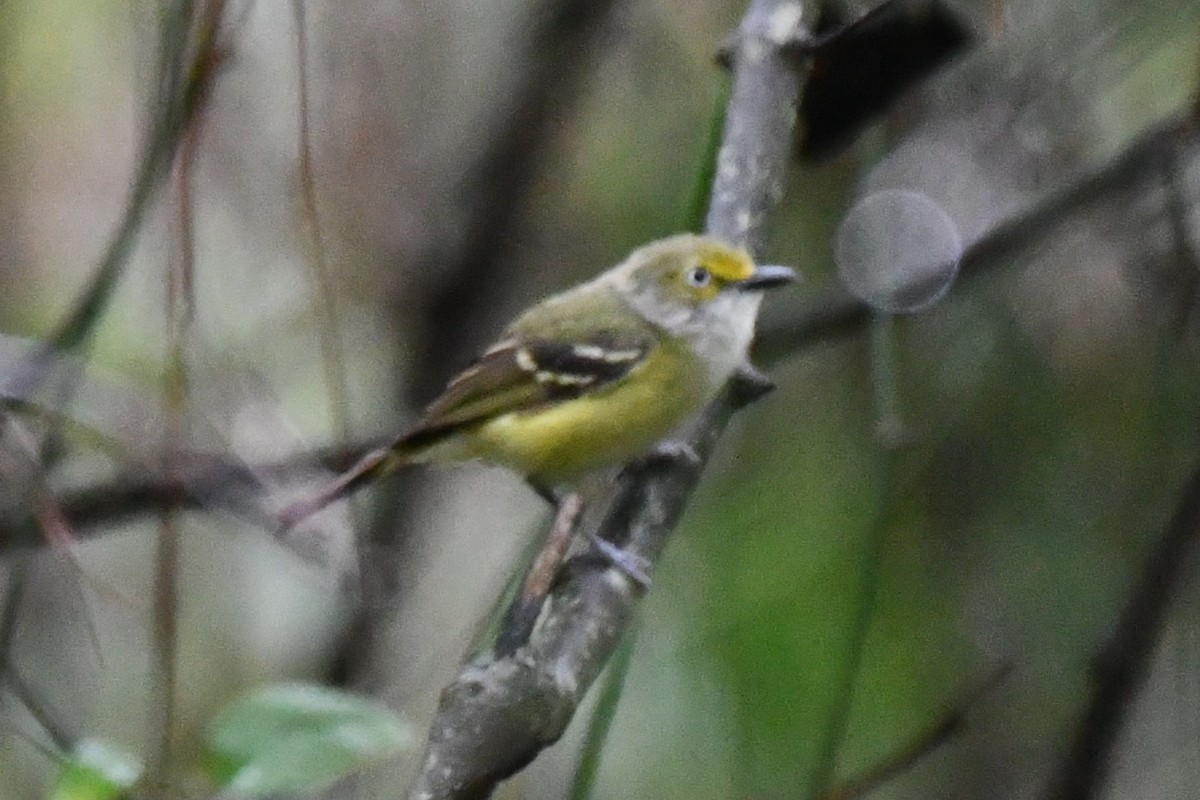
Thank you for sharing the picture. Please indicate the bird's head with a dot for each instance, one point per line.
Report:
(700, 290)
(690, 270)
(681, 280)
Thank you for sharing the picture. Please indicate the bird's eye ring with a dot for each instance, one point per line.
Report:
(698, 277)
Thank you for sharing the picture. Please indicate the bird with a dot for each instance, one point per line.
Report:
(590, 378)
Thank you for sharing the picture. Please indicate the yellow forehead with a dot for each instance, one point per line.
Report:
(726, 263)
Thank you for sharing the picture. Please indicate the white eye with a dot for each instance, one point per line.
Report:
(698, 277)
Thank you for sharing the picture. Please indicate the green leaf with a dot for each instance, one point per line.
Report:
(296, 737)
(96, 771)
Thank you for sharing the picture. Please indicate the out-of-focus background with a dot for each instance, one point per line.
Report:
(918, 544)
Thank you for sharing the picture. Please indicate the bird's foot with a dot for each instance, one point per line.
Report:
(667, 453)
(633, 565)
(748, 384)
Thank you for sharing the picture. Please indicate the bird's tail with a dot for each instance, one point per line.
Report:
(375, 464)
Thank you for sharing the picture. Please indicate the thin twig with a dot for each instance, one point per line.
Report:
(46, 512)
(199, 481)
(603, 714)
(1120, 668)
(14, 593)
(522, 613)
(869, 569)
(324, 302)
(913, 751)
(41, 709)
(180, 307)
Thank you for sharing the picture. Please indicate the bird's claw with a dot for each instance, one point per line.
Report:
(633, 565)
(666, 454)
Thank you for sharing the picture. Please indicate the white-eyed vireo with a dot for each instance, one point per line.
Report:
(594, 376)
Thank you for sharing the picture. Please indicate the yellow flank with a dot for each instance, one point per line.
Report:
(552, 444)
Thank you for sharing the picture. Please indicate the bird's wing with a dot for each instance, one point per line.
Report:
(550, 355)
(513, 375)
(567, 358)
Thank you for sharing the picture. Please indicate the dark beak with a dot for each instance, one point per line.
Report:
(767, 277)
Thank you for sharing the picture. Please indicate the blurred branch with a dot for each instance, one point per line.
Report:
(218, 482)
(1187, 259)
(189, 60)
(1119, 668)
(188, 65)
(838, 314)
(180, 308)
(603, 714)
(522, 613)
(862, 67)
(324, 305)
(502, 711)
(495, 186)
(49, 722)
(869, 571)
(912, 752)
(198, 481)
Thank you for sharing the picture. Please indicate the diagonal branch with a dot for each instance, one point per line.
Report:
(838, 314)
(1120, 668)
(502, 711)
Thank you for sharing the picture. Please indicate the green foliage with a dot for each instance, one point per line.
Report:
(296, 737)
(96, 771)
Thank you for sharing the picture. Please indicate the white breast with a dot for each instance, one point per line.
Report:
(719, 332)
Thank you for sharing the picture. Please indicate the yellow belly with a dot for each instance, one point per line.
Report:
(601, 429)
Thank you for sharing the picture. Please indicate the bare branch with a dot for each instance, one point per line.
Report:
(838, 314)
(501, 711)
(1119, 670)
(912, 752)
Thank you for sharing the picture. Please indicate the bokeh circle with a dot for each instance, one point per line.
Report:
(898, 251)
